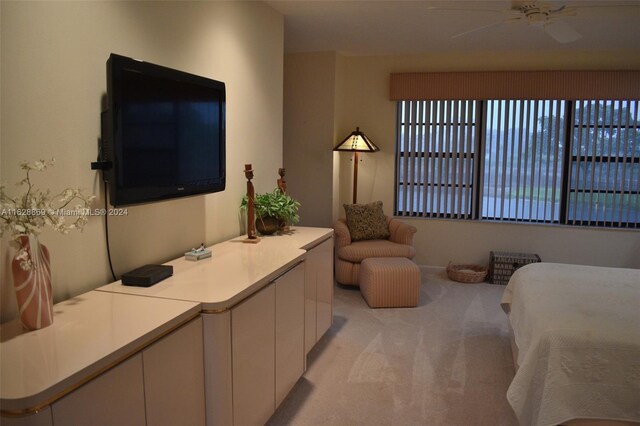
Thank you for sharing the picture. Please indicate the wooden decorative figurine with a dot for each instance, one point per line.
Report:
(252, 237)
(282, 184)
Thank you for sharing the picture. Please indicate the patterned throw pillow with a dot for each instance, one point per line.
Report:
(366, 221)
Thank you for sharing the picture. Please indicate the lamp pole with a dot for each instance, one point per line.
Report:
(355, 177)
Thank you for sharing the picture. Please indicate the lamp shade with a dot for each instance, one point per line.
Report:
(357, 141)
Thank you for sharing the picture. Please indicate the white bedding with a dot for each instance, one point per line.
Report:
(577, 330)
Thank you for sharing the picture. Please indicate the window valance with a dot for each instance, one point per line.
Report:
(481, 85)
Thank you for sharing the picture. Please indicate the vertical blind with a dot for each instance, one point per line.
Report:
(604, 187)
(523, 160)
(553, 161)
(437, 144)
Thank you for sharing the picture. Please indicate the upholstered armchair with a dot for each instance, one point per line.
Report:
(349, 254)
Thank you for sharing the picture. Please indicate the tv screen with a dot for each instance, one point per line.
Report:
(163, 132)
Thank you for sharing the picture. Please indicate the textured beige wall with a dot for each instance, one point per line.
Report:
(342, 162)
(53, 76)
(365, 102)
(309, 115)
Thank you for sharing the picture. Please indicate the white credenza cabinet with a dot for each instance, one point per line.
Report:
(221, 342)
(115, 397)
(174, 378)
(318, 292)
(265, 357)
(253, 354)
(290, 354)
(161, 385)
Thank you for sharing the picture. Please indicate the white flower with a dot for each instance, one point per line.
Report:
(39, 165)
(28, 213)
(67, 195)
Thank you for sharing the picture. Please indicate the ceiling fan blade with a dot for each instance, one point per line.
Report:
(561, 32)
(594, 6)
(484, 27)
(563, 11)
(467, 9)
(507, 12)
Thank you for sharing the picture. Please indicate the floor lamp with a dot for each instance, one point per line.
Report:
(356, 142)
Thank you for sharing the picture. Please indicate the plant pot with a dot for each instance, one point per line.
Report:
(32, 283)
(267, 225)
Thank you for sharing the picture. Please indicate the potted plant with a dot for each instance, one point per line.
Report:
(274, 210)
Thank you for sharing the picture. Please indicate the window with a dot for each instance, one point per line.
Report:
(523, 148)
(437, 145)
(605, 164)
(550, 161)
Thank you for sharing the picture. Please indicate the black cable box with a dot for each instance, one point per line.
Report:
(147, 275)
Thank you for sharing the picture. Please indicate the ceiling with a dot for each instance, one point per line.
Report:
(368, 27)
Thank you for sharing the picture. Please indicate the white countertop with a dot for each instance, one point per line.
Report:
(89, 332)
(234, 271)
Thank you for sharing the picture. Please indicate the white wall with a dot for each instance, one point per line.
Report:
(364, 102)
(53, 77)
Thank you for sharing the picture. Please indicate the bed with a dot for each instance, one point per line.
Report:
(576, 334)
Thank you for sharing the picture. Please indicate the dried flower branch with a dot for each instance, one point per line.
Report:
(30, 212)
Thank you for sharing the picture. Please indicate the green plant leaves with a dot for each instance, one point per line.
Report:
(275, 204)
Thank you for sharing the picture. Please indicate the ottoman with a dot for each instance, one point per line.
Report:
(389, 282)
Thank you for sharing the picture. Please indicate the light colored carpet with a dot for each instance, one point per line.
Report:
(446, 362)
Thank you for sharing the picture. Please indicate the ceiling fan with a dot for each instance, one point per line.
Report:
(539, 14)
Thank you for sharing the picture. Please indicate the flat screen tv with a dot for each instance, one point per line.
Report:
(163, 133)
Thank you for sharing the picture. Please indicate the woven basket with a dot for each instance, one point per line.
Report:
(467, 273)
